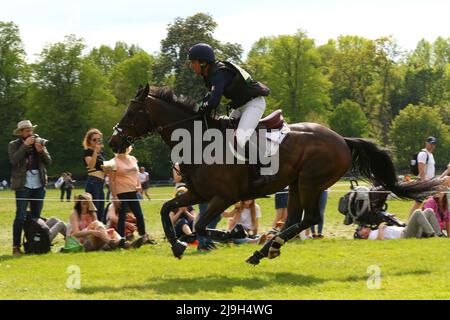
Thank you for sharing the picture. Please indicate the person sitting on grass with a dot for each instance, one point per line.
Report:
(85, 226)
(112, 220)
(421, 224)
(247, 213)
(439, 204)
(183, 220)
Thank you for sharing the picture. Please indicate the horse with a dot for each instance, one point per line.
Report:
(312, 158)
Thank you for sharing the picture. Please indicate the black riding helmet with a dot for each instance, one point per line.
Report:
(202, 52)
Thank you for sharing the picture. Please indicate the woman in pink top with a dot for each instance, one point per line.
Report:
(439, 204)
(124, 184)
(86, 228)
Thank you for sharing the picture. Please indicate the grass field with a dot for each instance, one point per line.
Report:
(333, 268)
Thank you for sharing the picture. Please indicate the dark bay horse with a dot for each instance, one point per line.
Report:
(312, 158)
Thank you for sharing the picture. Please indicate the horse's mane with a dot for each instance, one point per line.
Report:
(166, 94)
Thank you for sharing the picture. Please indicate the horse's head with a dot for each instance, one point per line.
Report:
(134, 124)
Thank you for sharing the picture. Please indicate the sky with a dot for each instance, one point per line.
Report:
(144, 22)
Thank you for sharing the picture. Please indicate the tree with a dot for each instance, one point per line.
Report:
(128, 75)
(352, 70)
(349, 120)
(427, 78)
(290, 66)
(182, 34)
(410, 129)
(68, 96)
(105, 57)
(14, 77)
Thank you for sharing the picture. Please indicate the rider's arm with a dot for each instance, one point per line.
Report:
(218, 84)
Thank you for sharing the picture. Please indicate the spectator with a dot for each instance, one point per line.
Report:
(85, 226)
(421, 224)
(439, 205)
(66, 185)
(56, 227)
(144, 177)
(247, 213)
(426, 165)
(177, 178)
(183, 220)
(93, 159)
(281, 202)
(124, 184)
(69, 183)
(5, 184)
(29, 158)
(59, 184)
(112, 220)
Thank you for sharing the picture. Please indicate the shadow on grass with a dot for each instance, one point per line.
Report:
(212, 284)
(223, 284)
(7, 257)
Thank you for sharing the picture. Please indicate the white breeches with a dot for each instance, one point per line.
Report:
(251, 113)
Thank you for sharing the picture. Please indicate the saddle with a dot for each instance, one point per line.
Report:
(273, 121)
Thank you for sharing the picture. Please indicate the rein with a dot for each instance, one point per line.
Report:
(159, 129)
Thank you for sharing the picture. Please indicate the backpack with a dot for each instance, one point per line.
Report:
(414, 164)
(37, 236)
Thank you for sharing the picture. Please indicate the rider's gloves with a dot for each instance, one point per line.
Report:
(202, 107)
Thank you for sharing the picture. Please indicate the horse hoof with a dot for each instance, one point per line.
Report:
(178, 249)
(255, 258)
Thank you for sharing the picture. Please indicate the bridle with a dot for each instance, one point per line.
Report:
(118, 129)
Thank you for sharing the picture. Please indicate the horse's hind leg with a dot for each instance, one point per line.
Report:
(310, 199)
(295, 212)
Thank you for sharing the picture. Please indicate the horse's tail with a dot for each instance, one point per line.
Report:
(375, 164)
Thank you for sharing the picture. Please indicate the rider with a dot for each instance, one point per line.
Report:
(234, 83)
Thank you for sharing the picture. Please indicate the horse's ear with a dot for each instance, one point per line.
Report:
(143, 92)
(139, 92)
(146, 90)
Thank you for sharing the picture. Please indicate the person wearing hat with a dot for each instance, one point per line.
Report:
(426, 165)
(224, 78)
(84, 225)
(29, 157)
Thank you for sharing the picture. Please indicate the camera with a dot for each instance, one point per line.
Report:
(40, 140)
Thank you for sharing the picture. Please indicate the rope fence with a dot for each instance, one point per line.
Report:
(55, 199)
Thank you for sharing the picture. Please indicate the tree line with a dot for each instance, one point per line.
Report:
(358, 87)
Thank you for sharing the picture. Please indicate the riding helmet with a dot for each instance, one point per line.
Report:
(202, 52)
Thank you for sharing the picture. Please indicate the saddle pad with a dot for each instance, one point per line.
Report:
(274, 139)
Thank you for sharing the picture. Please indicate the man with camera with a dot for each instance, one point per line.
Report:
(29, 158)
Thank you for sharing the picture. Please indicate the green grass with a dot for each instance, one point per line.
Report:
(333, 268)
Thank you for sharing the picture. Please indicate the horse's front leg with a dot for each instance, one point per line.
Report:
(217, 206)
(183, 200)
